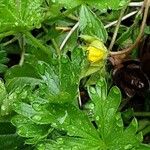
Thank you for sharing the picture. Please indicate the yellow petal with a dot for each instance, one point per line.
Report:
(95, 54)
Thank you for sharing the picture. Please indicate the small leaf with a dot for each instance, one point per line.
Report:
(90, 24)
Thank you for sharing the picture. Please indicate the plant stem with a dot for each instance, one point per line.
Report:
(135, 4)
(65, 29)
(10, 41)
(106, 26)
(123, 104)
(123, 18)
(143, 124)
(58, 51)
(128, 50)
(116, 29)
(146, 130)
(22, 46)
(2, 35)
(68, 36)
(36, 42)
(142, 114)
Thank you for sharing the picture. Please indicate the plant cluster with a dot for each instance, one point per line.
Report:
(59, 74)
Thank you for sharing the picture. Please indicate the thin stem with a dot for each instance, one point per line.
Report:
(58, 51)
(70, 16)
(123, 104)
(10, 41)
(65, 29)
(22, 46)
(2, 35)
(36, 42)
(68, 36)
(123, 18)
(143, 124)
(22, 57)
(116, 29)
(136, 4)
(146, 130)
(128, 50)
(142, 114)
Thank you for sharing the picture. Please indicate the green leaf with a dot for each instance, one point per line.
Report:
(15, 82)
(69, 4)
(18, 76)
(29, 129)
(20, 15)
(90, 24)
(26, 70)
(103, 4)
(147, 30)
(3, 60)
(61, 80)
(60, 116)
(107, 4)
(3, 92)
(126, 35)
(40, 117)
(5, 100)
(75, 126)
(105, 106)
(69, 143)
(109, 121)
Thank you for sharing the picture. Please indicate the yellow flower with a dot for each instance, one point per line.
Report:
(96, 51)
(94, 54)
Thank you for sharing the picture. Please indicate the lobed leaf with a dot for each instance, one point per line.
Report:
(20, 15)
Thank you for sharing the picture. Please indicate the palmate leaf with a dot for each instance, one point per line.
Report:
(109, 121)
(20, 14)
(61, 80)
(80, 131)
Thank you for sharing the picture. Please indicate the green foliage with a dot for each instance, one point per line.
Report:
(20, 15)
(3, 61)
(89, 23)
(39, 115)
(39, 98)
(147, 30)
(104, 4)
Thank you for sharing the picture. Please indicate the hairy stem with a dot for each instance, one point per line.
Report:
(116, 29)
(68, 36)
